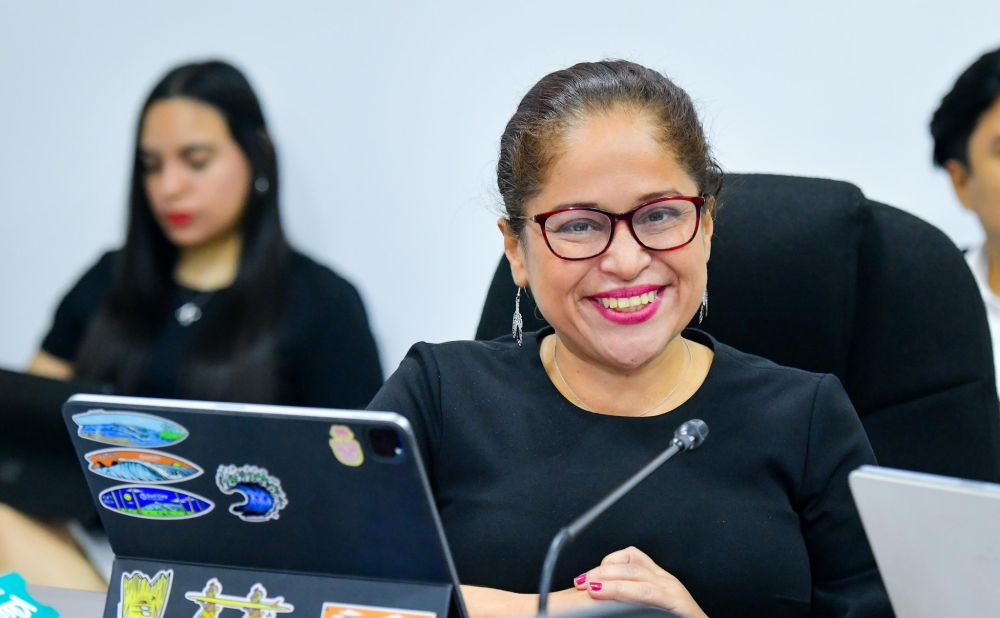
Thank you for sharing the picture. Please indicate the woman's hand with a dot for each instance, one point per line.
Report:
(492, 603)
(630, 575)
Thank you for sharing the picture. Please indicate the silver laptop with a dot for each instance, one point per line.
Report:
(936, 540)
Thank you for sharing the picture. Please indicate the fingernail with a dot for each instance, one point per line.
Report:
(595, 586)
(580, 579)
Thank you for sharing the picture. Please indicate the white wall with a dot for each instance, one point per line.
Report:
(390, 114)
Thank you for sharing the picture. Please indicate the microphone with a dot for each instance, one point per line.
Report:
(689, 436)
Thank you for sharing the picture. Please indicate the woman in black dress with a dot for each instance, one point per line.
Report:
(206, 299)
(609, 188)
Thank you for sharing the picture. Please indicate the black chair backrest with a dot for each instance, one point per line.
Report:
(811, 274)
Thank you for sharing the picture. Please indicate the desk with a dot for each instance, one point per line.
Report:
(70, 603)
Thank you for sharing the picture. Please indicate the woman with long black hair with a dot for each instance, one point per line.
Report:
(207, 300)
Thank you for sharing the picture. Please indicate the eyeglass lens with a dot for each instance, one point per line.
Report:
(578, 234)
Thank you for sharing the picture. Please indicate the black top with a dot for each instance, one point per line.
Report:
(757, 522)
(326, 351)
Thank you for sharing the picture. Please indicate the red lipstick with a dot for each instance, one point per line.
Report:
(179, 219)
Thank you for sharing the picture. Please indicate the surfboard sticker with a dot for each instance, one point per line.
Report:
(345, 447)
(343, 610)
(143, 596)
(262, 494)
(211, 601)
(155, 502)
(141, 466)
(128, 429)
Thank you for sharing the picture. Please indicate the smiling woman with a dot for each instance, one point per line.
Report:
(609, 188)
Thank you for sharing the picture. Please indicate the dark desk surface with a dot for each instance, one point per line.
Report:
(70, 603)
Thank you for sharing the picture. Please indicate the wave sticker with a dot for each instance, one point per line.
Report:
(262, 493)
(143, 596)
(161, 503)
(211, 601)
(141, 466)
(128, 429)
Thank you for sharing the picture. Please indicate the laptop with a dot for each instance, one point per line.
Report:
(936, 540)
(254, 510)
(39, 473)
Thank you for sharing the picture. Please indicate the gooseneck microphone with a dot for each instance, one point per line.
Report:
(688, 437)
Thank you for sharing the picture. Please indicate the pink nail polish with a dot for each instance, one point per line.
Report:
(580, 579)
(595, 586)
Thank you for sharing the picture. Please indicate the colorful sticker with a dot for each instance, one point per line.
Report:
(15, 602)
(345, 447)
(255, 604)
(262, 493)
(145, 597)
(341, 610)
(141, 466)
(128, 429)
(161, 503)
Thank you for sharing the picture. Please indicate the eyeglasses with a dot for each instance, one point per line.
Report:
(582, 232)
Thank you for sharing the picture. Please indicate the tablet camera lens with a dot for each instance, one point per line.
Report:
(386, 443)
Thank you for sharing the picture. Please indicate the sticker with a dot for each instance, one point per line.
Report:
(141, 466)
(255, 604)
(145, 597)
(346, 449)
(262, 493)
(340, 610)
(154, 502)
(128, 429)
(15, 602)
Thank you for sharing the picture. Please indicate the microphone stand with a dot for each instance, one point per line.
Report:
(688, 437)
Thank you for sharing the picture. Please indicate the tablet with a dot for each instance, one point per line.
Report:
(240, 506)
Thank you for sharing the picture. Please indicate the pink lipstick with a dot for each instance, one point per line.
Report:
(627, 306)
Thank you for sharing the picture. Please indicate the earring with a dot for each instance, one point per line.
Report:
(703, 310)
(517, 328)
(262, 185)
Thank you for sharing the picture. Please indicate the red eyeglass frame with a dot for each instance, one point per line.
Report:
(697, 201)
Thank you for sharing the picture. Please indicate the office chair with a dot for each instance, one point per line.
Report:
(809, 273)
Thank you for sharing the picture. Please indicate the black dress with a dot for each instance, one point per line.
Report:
(326, 352)
(757, 522)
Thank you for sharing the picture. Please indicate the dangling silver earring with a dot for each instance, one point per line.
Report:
(703, 310)
(517, 328)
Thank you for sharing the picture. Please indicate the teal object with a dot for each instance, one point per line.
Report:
(17, 603)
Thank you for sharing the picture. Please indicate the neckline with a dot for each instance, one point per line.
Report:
(692, 334)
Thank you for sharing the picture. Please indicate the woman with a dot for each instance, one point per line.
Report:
(207, 300)
(609, 187)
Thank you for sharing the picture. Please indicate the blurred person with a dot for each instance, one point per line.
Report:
(206, 299)
(966, 132)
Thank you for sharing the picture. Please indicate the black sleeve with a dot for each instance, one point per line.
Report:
(846, 582)
(337, 363)
(77, 310)
(414, 390)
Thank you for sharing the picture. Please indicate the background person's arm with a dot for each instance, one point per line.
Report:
(49, 366)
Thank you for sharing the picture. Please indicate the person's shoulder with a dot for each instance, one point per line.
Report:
(303, 269)
(90, 288)
(470, 357)
(750, 373)
(754, 363)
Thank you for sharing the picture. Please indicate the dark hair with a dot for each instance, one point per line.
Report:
(234, 357)
(528, 146)
(976, 90)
